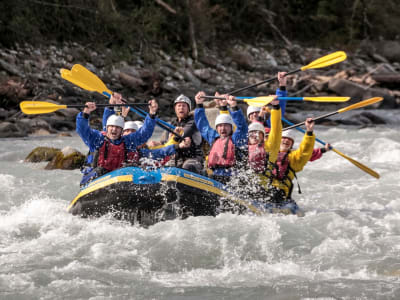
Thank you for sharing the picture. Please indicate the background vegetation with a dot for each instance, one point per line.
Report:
(191, 24)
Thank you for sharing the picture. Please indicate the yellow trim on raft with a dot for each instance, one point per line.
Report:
(197, 184)
(98, 185)
(204, 185)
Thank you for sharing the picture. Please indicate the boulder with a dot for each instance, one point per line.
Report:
(390, 50)
(357, 92)
(41, 154)
(66, 159)
(132, 82)
(8, 129)
(243, 60)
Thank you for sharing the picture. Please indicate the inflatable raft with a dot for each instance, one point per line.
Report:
(151, 195)
(147, 196)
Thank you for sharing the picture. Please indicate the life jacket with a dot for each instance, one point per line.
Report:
(257, 157)
(282, 170)
(222, 153)
(132, 157)
(113, 156)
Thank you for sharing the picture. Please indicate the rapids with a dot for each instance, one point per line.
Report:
(347, 246)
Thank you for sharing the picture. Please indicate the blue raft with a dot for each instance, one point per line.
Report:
(151, 195)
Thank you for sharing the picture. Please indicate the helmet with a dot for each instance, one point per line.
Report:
(224, 119)
(184, 99)
(139, 124)
(115, 121)
(288, 134)
(252, 109)
(256, 126)
(131, 125)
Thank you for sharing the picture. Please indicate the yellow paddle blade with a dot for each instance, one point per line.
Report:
(326, 60)
(39, 107)
(259, 101)
(361, 104)
(67, 75)
(89, 79)
(326, 99)
(358, 164)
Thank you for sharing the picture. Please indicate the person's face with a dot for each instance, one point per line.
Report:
(253, 116)
(286, 144)
(181, 110)
(255, 137)
(224, 129)
(114, 132)
(128, 131)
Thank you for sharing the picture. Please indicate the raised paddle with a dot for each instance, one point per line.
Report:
(321, 62)
(353, 161)
(85, 79)
(264, 100)
(342, 110)
(42, 107)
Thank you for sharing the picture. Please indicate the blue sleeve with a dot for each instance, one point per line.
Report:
(158, 153)
(107, 113)
(282, 104)
(203, 126)
(141, 136)
(91, 137)
(239, 137)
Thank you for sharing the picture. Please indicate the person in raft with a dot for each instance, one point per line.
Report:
(289, 163)
(112, 146)
(226, 145)
(190, 158)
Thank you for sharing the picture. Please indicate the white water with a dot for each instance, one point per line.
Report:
(346, 247)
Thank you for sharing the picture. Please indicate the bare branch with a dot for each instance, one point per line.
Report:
(166, 6)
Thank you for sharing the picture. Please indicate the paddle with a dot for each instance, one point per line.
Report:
(353, 161)
(342, 110)
(85, 79)
(162, 124)
(321, 62)
(264, 100)
(42, 107)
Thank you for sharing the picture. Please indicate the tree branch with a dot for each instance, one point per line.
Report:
(166, 6)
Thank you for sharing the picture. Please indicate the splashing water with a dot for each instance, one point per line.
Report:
(346, 247)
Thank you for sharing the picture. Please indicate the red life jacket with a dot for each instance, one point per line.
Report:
(257, 157)
(113, 156)
(222, 153)
(132, 157)
(282, 165)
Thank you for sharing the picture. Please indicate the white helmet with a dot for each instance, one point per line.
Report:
(289, 134)
(256, 126)
(184, 99)
(139, 124)
(131, 125)
(252, 109)
(224, 119)
(115, 121)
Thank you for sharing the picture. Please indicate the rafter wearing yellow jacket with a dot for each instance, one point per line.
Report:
(290, 161)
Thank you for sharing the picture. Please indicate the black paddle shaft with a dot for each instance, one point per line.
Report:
(261, 82)
(315, 119)
(165, 127)
(103, 105)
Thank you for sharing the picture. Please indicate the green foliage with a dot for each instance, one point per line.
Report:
(127, 25)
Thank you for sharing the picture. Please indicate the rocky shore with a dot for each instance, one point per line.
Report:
(33, 73)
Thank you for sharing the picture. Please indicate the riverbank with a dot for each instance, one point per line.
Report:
(32, 73)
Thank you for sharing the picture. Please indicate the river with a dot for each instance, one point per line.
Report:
(347, 246)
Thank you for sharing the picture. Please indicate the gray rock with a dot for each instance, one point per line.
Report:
(8, 129)
(10, 68)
